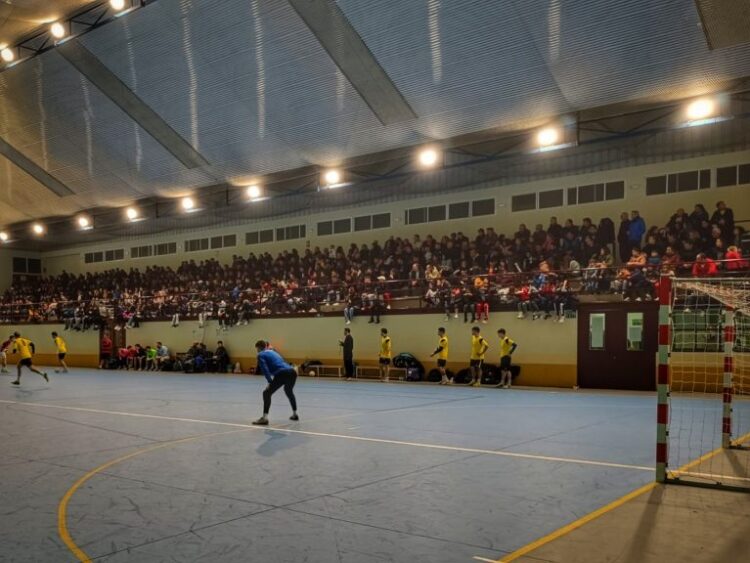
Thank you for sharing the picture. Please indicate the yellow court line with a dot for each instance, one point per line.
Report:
(560, 532)
(62, 508)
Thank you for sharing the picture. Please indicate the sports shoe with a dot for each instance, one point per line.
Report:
(476, 384)
(44, 375)
(3, 370)
(294, 417)
(262, 421)
(15, 382)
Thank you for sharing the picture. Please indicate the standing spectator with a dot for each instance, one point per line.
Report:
(105, 351)
(555, 230)
(724, 218)
(622, 237)
(221, 357)
(605, 234)
(698, 216)
(636, 229)
(347, 344)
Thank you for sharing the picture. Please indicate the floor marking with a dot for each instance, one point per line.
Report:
(711, 476)
(483, 559)
(560, 532)
(498, 453)
(62, 508)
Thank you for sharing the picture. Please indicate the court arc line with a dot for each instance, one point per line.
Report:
(62, 507)
(572, 526)
(498, 453)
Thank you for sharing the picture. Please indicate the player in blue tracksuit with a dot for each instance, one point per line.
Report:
(279, 374)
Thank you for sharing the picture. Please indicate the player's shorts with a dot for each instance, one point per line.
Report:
(3, 354)
(505, 362)
(442, 363)
(475, 363)
(105, 356)
(385, 361)
(25, 362)
(61, 355)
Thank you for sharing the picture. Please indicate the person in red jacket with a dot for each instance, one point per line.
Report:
(734, 260)
(105, 351)
(704, 266)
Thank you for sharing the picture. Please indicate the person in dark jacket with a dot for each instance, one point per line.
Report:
(724, 218)
(623, 241)
(348, 346)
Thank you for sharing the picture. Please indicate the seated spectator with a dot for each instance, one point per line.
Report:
(162, 355)
(734, 260)
(704, 266)
(151, 363)
(637, 258)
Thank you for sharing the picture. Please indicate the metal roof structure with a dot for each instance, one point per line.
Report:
(203, 97)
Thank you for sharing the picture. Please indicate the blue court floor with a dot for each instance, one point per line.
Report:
(163, 467)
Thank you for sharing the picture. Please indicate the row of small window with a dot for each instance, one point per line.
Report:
(461, 210)
(680, 182)
(733, 175)
(153, 250)
(104, 256)
(576, 196)
(292, 232)
(26, 265)
(195, 245)
(358, 224)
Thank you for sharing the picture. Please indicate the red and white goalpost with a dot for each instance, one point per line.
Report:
(703, 383)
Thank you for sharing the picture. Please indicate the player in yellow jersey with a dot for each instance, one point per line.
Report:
(479, 348)
(62, 350)
(26, 349)
(442, 354)
(507, 347)
(384, 356)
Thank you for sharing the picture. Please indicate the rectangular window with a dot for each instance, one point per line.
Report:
(194, 245)
(293, 232)
(363, 223)
(551, 198)
(266, 235)
(458, 210)
(112, 255)
(93, 257)
(591, 193)
(325, 228)
(416, 216)
(252, 238)
(381, 221)
(614, 190)
(280, 234)
(524, 202)
(217, 242)
(726, 176)
(705, 179)
(342, 226)
(635, 332)
(687, 181)
(35, 265)
(19, 265)
(744, 174)
(165, 248)
(656, 185)
(230, 240)
(481, 207)
(572, 196)
(436, 213)
(596, 331)
(141, 251)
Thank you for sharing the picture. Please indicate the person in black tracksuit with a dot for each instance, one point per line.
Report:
(348, 345)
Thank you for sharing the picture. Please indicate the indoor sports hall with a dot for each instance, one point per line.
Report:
(375, 281)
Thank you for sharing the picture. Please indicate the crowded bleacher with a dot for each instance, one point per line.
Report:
(537, 272)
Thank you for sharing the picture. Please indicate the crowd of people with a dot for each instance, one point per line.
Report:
(537, 272)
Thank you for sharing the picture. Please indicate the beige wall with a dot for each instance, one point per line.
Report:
(546, 349)
(83, 347)
(655, 210)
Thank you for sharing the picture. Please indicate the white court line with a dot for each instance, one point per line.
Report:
(484, 559)
(711, 476)
(344, 436)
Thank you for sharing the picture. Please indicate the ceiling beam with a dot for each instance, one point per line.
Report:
(34, 170)
(347, 49)
(115, 89)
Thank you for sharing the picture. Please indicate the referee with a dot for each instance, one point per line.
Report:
(279, 374)
(348, 345)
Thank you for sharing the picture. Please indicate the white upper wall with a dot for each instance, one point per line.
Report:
(655, 210)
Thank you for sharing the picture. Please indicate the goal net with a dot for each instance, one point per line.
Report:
(704, 382)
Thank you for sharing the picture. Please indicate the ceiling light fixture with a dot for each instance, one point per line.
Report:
(4, 236)
(131, 213)
(428, 157)
(58, 30)
(548, 137)
(332, 177)
(188, 204)
(84, 222)
(117, 4)
(38, 229)
(7, 54)
(253, 192)
(700, 109)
